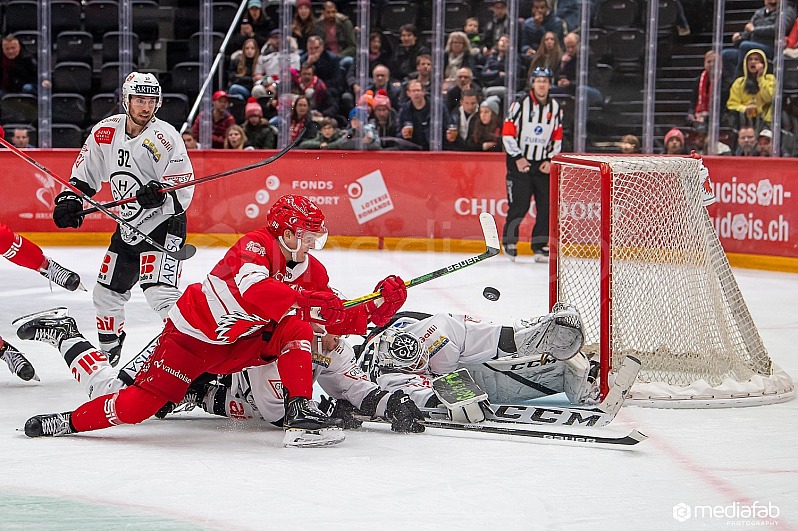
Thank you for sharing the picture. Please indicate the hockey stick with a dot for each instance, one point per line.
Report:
(184, 253)
(491, 236)
(595, 417)
(207, 178)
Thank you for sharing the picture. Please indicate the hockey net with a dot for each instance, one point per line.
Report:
(633, 247)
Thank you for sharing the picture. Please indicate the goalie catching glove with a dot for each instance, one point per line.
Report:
(150, 195)
(322, 307)
(68, 206)
(393, 294)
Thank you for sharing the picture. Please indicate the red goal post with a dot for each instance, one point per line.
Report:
(634, 249)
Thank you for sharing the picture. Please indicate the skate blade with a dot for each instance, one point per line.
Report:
(298, 438)
(60, 311)
(81, 287)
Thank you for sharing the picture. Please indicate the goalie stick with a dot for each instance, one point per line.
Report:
(184, 253)
(207, 178)
(600, 415)
(491, 236)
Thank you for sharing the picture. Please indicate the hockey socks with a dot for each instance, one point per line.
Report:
(21, 251)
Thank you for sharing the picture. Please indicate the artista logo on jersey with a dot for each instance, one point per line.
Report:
(104, 135)
(169, 370)
(149, 145)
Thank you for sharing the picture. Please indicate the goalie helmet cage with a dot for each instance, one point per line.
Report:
(634, 249)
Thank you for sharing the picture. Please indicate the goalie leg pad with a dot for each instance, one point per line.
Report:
(510, 379)
(579, 380)
(461, 396)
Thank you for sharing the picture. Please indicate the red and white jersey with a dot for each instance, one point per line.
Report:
(157, 154)
(251, 288)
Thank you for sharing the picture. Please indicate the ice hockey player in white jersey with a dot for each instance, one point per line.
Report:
(138, 155)
(533, 358)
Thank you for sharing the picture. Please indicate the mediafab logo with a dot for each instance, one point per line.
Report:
(735, 511)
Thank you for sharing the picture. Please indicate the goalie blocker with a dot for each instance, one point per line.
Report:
(463, 398)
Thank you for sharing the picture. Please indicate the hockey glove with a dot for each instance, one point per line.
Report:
(403, 414)
(340, 409)
(68, 205)
(320, 307)
(150, 195)
(393, 293)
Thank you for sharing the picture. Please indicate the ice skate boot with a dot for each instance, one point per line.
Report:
(17, 362)
(111, 345)
(52, 425)
(58, 274)
(50, 326)
(306, 426)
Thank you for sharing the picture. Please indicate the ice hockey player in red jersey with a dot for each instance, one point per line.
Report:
(25, 253)
(240, 316)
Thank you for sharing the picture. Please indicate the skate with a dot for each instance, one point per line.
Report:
(50, 326)
(541, 254)
(111, 345)
(17, 362)
(58, 274)
(192, 399)
(52, 425)
(306, 426)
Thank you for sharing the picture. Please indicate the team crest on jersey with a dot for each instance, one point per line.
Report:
(238, 324)
(123, 185)
(104, 135)
(255, 247)
(150, 146)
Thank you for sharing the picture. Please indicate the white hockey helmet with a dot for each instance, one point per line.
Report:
(398, 350)
(141, 84)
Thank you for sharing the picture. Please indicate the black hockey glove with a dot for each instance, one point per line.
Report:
(150, 195)
(67, 206)
(340, 409)
(403, 414)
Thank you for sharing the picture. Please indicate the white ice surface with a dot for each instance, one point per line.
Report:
(197, 471)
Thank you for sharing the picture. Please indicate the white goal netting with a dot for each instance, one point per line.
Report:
(653, 264)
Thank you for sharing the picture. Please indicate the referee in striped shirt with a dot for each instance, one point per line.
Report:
(532, 135)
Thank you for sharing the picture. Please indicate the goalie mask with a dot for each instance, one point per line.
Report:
(139, 84)
(401, 351)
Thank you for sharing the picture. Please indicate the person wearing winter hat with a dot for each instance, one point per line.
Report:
(260, 134)
(261, 23)
(385, 119)
(674, 142)
(220, 118)
(484, 133)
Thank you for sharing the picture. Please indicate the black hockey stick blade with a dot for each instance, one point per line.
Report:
(491, 236)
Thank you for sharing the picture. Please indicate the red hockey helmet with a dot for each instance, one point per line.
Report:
(302, 216)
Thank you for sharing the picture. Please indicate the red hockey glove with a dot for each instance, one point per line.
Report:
(320, 307)
(394, 295)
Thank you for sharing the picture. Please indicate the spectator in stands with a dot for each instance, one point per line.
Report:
(746, 142)
(220, 117)
(18, 73)
(338, 34)
(303, 23)
(471, 29)
(700, 103)
(266, 94)
(189, 139)
(381, 80)
(423, 75)
(235, 138)
(328, 134)
(630, 145)
(463, 115)
(764, 144)
(536, 26)
(245, 32)
(261, 23)
(494, 74)
(465, 81)
(415, 116)
(240, 75)
(404, 62)
(570, 12)
(301, 117)
(498, 25)
(307, 83)
(457, 55)
(360, 134)
(567, 71)
(324, 63)
(21, 138)
(759, 33)
(791, 44)
(752, 94)
(269, 60)
(378, 55)
(485, 132)
(259, 133)
(674, 142)
(385, 119)
(701, 143)
(548, 54)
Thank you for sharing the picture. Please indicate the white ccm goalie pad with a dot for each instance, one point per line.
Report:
(461, 396)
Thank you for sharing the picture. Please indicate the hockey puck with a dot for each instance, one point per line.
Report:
(492, 294)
